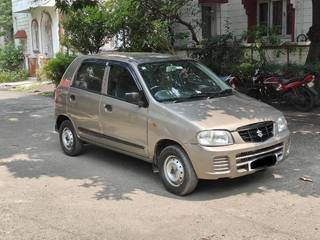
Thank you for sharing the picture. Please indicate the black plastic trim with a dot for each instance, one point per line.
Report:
(100, 135)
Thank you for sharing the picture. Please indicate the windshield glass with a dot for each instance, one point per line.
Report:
(182, 81)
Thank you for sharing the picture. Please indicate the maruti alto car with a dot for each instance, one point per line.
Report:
(172, 112)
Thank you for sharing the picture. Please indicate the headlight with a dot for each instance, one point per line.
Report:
(215, 138)
(282, 124)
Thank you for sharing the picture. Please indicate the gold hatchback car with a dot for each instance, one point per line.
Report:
(172, 112)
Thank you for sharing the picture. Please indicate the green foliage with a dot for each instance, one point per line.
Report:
(135, 20)
(246, 70)
(11, 57)
(221, 53)
(87, 29)
(11, 64)
(138, 25)
(57, 66)
(67, 6)
(13, 76)
(262, 36)
(5, 18)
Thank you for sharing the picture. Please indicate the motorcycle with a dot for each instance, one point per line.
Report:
(270, 88)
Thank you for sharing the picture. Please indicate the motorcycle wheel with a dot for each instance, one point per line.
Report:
(305, 101)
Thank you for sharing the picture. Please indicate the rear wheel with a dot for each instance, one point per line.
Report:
(69, 141)
(305, 100)
(176, 171)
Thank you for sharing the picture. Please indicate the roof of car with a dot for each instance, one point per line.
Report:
(137, 57)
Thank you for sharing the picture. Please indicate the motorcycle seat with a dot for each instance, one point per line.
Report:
(289, 80)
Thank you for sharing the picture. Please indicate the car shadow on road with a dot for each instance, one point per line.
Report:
(114, 176)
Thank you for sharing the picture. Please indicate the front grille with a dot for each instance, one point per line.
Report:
(244, 159)
(258, 132)
(221, 164)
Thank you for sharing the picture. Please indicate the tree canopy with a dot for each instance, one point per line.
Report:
(145, 25)
(6, 18)
(87, 29)
(314, 34)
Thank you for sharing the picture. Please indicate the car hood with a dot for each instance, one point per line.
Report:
(229, 112)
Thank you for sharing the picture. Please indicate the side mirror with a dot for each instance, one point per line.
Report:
(136, 98)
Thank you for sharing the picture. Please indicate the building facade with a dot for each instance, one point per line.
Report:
(36, 28)
(291, 18)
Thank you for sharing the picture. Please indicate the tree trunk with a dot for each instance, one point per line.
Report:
(314, 34)
(190, 28)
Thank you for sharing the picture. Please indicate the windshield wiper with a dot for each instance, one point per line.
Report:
(204, 95)
(193, 96)
(223, 93)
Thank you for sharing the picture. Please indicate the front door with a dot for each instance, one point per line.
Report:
(84, 99)
(124, 123)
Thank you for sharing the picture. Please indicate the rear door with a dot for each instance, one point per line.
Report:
(124, 123)
(84, 98)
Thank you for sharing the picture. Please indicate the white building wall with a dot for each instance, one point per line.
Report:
(231, 15)
(235, 14)
(21, 22)
(303, 16)
(191, 13)
(37, 14)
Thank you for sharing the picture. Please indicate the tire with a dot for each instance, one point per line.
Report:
(174, 158)
(305, 101)
(70, 147)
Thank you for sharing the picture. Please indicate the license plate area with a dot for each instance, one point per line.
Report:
(267, 161)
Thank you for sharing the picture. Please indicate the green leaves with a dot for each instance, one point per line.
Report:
(87, 29)
(57, 66)
(139, 25)
(11, 57)
(5, 17)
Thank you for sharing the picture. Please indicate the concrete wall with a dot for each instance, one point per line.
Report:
(303, 16)
(281, 55)
(234, 13)
(21, 22)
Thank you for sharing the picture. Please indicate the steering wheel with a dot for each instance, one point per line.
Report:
(155, 89)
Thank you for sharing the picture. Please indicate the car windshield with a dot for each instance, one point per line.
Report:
(179, 81)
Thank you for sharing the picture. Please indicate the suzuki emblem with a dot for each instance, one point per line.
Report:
(259, 133)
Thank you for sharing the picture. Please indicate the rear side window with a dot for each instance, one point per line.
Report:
(90, 76)
(120, 82)
(68, 75)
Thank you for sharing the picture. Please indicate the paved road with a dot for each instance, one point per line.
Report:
(105, 195)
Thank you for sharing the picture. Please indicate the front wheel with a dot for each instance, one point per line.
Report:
(177, 173)
(304, 101)
(69, 141)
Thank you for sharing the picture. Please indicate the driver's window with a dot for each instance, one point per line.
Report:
(120, 83)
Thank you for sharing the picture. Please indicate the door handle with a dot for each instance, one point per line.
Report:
(72, 98)
(108, 107)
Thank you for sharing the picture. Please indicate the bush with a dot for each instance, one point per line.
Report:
(221, 53)
(13, 76)
(57, 66)
(11, 57)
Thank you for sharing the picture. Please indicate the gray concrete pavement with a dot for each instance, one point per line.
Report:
(104, 195)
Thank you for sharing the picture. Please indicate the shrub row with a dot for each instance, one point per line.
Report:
(11, 64)
(13, 76)
(56, 67)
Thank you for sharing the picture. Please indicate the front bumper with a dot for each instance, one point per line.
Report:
(236, 160)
